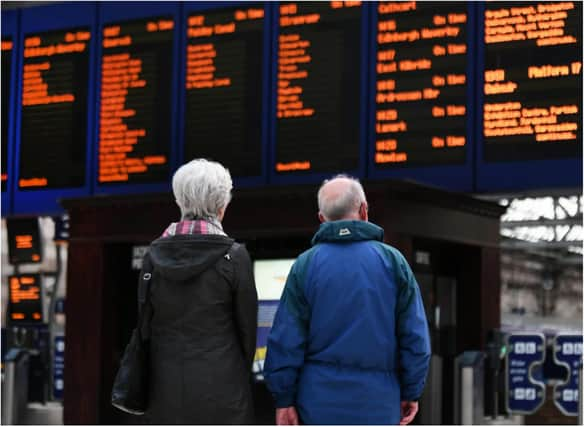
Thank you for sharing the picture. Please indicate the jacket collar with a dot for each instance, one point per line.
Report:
(347, 231)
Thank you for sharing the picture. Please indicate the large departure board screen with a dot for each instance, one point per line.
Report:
(7, 45)
(53, 126)
(224, 88)
(421, 102)
(135, 116)
(532, 81)
(319, 74)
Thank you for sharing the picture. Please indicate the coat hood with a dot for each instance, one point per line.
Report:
(347, 231)
(184, 256)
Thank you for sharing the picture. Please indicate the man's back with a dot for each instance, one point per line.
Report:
(336, 351)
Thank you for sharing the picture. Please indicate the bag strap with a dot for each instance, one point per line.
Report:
(144, 306)
(232, 249)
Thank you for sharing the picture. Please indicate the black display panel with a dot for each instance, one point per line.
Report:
(421, 84)
(135, 116)
(224, 78)
(54, 109)
(25, 304)
(318, 90)
(24, 240)
(532, 95)
(7, 46)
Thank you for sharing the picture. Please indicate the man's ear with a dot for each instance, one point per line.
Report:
(321, 217)
(363, 212)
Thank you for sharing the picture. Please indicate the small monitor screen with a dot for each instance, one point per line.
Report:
(270, 277)
(25, 298)
(24, 240)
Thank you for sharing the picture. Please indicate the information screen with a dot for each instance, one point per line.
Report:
(53, 132)
(7, 45)
(25, 301)
(532, 81)
(421, 84)
(135, 114)
(224, 75)
(24, 240)
(319, 77)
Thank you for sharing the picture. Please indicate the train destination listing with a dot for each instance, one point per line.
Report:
(7, 46)
(25, 298)
(224, 74)
(532, 81)
(54, 109)
(421, 86)
(135, 116)
(318, 86)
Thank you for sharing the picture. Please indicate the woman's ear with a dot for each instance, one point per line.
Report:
(221, 214)
(321, 217)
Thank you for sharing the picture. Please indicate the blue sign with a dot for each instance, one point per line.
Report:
(60, 306)
(568, 353)
(266, 312)
(59, 367)
(525, 394)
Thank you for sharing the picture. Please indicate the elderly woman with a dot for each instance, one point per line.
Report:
(203, 330)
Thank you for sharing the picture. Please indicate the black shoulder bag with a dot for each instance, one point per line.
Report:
(130, 390)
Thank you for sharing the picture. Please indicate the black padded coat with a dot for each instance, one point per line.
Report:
(203, 331)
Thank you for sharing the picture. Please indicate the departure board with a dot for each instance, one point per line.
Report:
(24, 240)
(7, 45)
(224, 75)
(25, 298)
(135, 116)
(53, 135)
(532, 81)
(421, 84)
(318, 109)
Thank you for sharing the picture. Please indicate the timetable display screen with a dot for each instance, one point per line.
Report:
(25, 302)
(7, 46)
(135, 115)
(421, 84)
(24, 240)
(318, 109)
(224, 75)
(53, 129)
(533, 81)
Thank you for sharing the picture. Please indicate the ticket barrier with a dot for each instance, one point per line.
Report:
(469, 373)
(15, 386)
(494, 379)
(34, 340)
(431, 401)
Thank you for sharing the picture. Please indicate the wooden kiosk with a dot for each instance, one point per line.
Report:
(448, 239)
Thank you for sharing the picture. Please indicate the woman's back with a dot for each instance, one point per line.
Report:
(202, 331)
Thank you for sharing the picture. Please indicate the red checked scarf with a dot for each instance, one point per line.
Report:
(194, 226)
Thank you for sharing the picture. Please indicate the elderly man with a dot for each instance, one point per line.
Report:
(349, 344)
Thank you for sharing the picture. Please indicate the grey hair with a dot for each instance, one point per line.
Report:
(336, 208)
(201, 188)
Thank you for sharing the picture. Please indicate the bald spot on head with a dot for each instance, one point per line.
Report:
(340, 198)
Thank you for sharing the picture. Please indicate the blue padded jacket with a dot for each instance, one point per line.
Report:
(350, 338)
